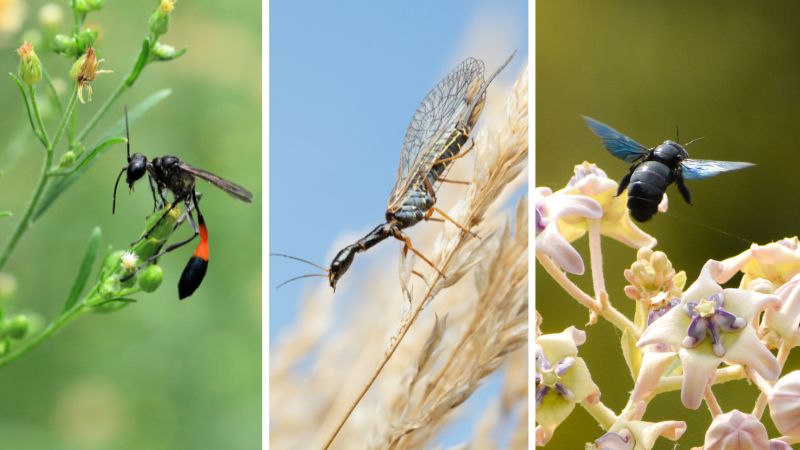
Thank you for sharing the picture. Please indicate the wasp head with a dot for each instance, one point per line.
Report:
(137, 167)
(341, 262)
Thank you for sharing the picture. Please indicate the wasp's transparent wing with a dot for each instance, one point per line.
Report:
(230, 187)
(436, 117)
(615, 142)
(697, 169)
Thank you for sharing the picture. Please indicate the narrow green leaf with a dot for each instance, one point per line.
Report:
(140, 63)
(90, 156)
(85, 269)
(27, 105)
(5, 213)
(56, 188)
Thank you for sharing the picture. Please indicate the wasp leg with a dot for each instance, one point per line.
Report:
(408, 246)
(449, 219)
(682, 187)
(458, 156)
(429, 188)
(421, 277)
(445, 180)
(153, 191)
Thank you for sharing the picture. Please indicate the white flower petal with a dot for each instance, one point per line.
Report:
(749, 350)
(697, 370)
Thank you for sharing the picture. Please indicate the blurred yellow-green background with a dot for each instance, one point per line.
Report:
(161, 374)
(728, 71)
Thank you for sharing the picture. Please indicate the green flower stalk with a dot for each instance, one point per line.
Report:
(30, 67)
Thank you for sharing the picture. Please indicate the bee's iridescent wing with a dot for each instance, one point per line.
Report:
(230, 187)
(615, 142)
(698, 169)
(436, 116)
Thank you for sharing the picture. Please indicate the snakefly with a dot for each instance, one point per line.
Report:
(654, 169)
(169, 173)
(435, 138)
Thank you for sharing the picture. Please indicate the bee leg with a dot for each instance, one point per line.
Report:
(408, 246)
(449, 219)
(682, 186)
(445, 180)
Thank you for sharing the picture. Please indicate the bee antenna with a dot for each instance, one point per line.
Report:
(127, 134)
(693, 141)
(114, 203)
(301, 260)
(300, 277)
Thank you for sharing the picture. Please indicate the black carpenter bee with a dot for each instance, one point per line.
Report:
(654, 169)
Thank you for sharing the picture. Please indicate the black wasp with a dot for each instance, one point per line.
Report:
(169, 173)
(438, 132)
(654, 169)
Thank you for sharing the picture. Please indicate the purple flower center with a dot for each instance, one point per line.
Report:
(661, 308)
(541, 217)
(614, 441)
(709, 318)
(548, 377)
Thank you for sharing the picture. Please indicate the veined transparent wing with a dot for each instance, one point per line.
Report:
(436, 116)
(698, 169)
(233, 189)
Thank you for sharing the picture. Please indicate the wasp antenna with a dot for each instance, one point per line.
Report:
(127, 134)
(693, 141)
(114, 203)
(310, 275)
(301, 260)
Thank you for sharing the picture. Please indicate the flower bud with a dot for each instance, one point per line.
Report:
(30, 68)
(17, 327)
(67, 160)
(107, 290)
(84, 6)
(111, 262)
(51, 16)
(64, 45)
(736, 431)
(151, 277)
(164, 52)
(159, 21)
(86, 39)
(784, 404)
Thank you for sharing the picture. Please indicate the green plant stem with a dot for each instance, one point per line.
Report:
(38, 117)
(53, 92)
(23, 224)
(65, 118)
(56, 325)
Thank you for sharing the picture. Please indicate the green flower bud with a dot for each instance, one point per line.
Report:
(67, 160)
(111, 262)
(51, 16)
(84, 6)
(8, 286)
(5, 346)
(151, 277)
(86, 39)
(17, 327)
(108, 290)
(84, 71)
(30, 68)
(164, 52)
(65, 45)
(159, 21)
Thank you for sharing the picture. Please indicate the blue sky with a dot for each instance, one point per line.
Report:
(345, 79)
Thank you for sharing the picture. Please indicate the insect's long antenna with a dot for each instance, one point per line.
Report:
(301, 277)
(692, 141)
(127, 134)
(114, 203)
(301, 260)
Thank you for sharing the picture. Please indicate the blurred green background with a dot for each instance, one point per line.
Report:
(161, 374)
(728, 71)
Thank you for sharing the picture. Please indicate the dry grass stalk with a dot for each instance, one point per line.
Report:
(479, 324)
